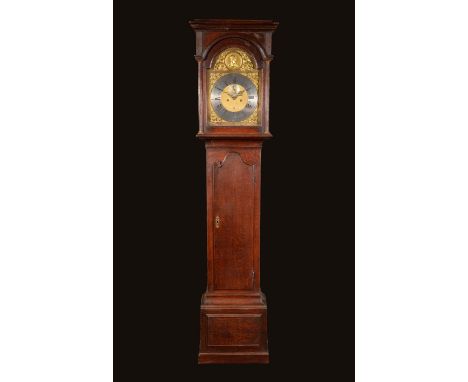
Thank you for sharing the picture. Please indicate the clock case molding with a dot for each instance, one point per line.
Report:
(233, 312)
(212, 38)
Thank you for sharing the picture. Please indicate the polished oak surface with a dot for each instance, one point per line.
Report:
(233, 312)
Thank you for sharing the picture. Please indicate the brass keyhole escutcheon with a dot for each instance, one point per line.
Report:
(217, 222)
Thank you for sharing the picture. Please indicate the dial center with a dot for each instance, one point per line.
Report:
(234, 97)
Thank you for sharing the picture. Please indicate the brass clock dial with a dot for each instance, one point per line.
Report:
(234, 97)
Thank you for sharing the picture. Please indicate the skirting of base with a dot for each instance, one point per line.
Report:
(237, 357)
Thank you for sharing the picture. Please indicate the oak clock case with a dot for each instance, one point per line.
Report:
(233, 82)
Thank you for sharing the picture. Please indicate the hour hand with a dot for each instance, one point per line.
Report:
(231, 94)
(234, 95)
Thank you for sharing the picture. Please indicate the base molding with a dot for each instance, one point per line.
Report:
(247, 357)
(233, 328)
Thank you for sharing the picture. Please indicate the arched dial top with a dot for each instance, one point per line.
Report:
(233, 89)
(234, 97)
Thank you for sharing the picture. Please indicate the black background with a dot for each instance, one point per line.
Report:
(307, 222)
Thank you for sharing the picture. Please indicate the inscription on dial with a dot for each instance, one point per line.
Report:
(234, 97)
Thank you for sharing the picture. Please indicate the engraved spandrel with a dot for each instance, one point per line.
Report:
(233, 59)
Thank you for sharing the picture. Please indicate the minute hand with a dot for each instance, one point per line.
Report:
(235, 95)
(231, 94)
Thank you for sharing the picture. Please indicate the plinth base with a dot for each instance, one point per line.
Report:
(233, 358)
(233, 328)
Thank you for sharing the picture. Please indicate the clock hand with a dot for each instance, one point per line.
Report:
(234, 93)
(237, 95)
(231, 94)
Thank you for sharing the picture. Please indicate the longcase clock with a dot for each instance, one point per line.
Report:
(233, 85)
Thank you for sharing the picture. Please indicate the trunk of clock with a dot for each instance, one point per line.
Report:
(233, 327)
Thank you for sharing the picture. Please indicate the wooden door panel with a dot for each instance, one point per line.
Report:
(233, 210)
